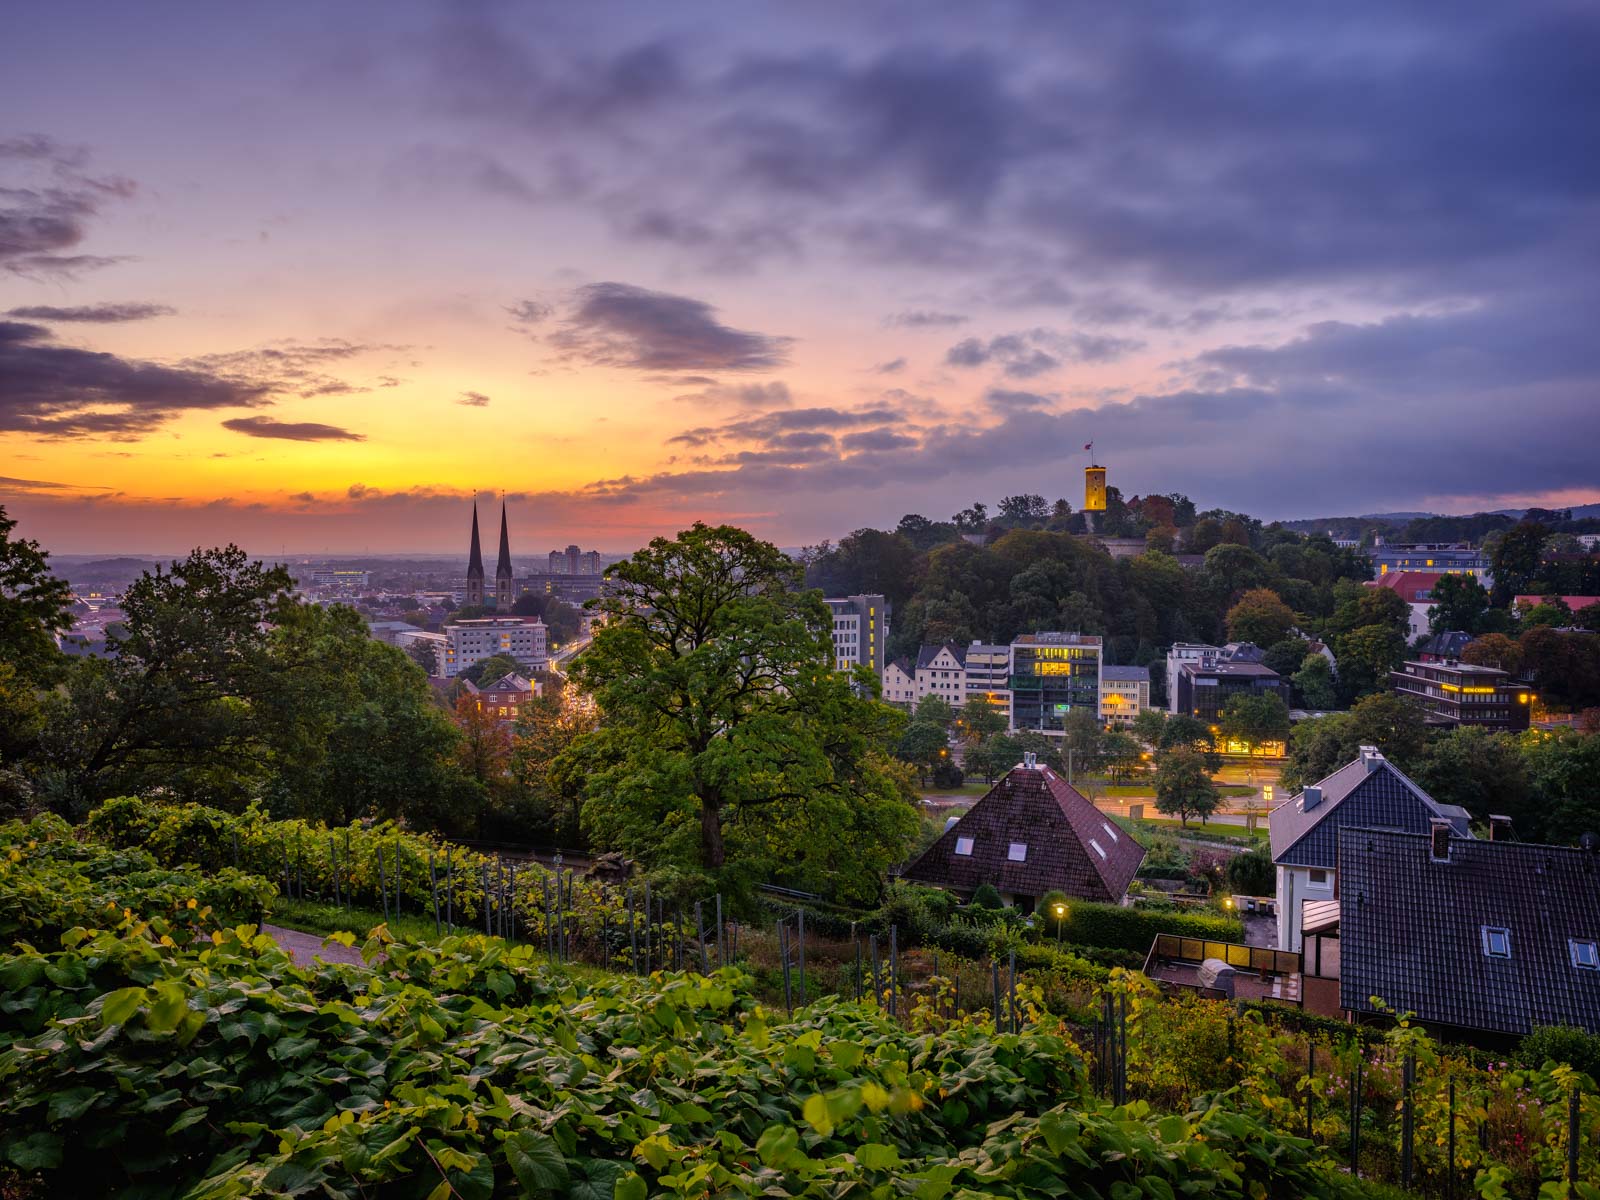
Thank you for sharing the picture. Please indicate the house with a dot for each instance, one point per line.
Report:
(1444, 647)
(503, 699)
(942, 672)
(1369, 792)
(1124, 694)
(1456, 693)
(1416, 589)
(1032, 833)
(900, 682)
(1494, 935)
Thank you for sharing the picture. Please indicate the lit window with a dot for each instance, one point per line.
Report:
(1585, 955)
(1018, 852)
(964, 845)
(1319, 877)
(1496, 942)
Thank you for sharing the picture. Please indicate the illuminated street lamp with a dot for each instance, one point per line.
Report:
(1059, 911)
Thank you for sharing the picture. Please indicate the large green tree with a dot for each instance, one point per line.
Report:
(34, 607)
(1321, 746)
(1255, 718)
(1459, 603)
(724, 722)
(1260, 616)
(1183, 786)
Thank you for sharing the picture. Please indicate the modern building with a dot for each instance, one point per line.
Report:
(1416, 589)
(1124, 694)
(1496, 936)
(477, 638)
(1032, 833)
(1445, 558)
(1206, 685)
(573, 561)
(988, 667)
(1052, 676)
(390, 632)
(860, 632)
(340, 578)
(1180, 653)
(434, 641)
(571, 589)
(1457, 693)
(505, 698)
(1369, 792)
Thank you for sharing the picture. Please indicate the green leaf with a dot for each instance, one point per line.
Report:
(815, 1112)
(167, 1010)
(37, 1152)
(630, 1187)
(536, 1161)
(72, 1103)
(192, 1117)
(777, 1144)
(847, 1054)
(875, 1156)
(121, 1004)
(599, 1182)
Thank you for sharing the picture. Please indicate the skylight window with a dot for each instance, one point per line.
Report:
(1585, 954)
(1107, 827)
(1496, 942)
(1018, 852)
(963, 845)
(1098, 848)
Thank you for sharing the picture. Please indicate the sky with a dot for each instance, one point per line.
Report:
(309, 276)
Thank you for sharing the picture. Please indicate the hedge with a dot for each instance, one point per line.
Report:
(1119, 928)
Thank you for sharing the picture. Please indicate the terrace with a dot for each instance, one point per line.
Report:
(1224, 970)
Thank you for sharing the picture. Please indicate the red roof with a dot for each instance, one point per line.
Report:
(1412, 586)
(1574, 603)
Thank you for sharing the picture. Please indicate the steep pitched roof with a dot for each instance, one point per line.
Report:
(1412, 586)
(1370, 792)
(502, 568)
(1411, 930)
(927, 654)
(904, 666)
(1070, 844)
(475, 557)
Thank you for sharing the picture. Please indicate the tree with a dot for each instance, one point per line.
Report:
(1459, 603)
(1025, 509)
(1494, 650)
(969, 520)
(1120, 754)
(1483, 772)
(1231, 569)
(487, 670)
(1184, 732)
(1183, 785)
(979, 720)
(1366, 656)
(1287, 656)
(1252, 874)
(1515, 560)
(724, 719)
(934, 709)
(34, 605)
(1320, 746)
(1314, 683)
(424, 655)
(1081, 742)
(561, 620)
(924, 744)
(1255, 718)
(485, 750)
(545, 803)
(1149, 726)
(1260, 616)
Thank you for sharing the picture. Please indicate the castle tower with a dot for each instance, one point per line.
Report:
(503, 585)
(474, 596)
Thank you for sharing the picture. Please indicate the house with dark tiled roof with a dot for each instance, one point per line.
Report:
(1444, 647)
(1030, 834)
(1369, 792)
(1485, 935)
(503, 698)
(942, 671)
(900, 682)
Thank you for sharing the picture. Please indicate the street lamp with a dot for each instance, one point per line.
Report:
(1059, 911)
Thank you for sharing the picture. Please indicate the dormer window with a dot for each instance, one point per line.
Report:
(1585, 954)
(1017, 852)
(1496, 942)
(964, 845)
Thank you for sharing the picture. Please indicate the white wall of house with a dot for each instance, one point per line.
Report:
(1296, 885)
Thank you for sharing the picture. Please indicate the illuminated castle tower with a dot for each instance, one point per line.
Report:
(1094, 489)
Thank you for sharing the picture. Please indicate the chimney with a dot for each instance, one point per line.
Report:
(1439, 847)
(1310, 798)
(1500, 828)
(1030, 760)
(1372, 758)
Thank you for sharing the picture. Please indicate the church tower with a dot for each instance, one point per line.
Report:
(474, 596)
(502, 572)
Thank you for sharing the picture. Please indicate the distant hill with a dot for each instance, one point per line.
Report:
(1438, 527)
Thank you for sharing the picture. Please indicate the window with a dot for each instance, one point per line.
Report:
(1107, 827)
(1319, 877)
(1098, 848)
(1585, 955)
(1018, 852)
(1496, 942)
(963, 845)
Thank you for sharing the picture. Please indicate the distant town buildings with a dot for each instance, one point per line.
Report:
(1456, 693)
(1207, 681)
(573, 561)
(860, 632)
(346, 579)
(1124, 694)
(1416, 589)
(470, 641)
(1445, 558)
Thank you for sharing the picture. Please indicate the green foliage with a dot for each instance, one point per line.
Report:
(1183, 785)
(1252, 874)
(729, 740)
(1577, 1048)
(1320, 746)
(923, 744)
(1134, 929)
(487, 670)
(986, 896)
(1260, 616)
(1262, 717)
(34, 604)
(1314, 684)
(1460, 602)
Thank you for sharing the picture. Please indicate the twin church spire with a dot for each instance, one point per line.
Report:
(504, 585)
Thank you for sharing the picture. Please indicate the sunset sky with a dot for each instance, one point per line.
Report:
(310, 274)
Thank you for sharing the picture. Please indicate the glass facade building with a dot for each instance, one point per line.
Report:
(1052, 676)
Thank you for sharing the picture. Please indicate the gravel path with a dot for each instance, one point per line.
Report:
(303, 947)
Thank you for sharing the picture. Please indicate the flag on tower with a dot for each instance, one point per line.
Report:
(1088, 445)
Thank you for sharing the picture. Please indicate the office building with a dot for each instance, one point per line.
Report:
(1206, 685)
(573, 561)
(988, 675)
(1184, 652)
(1457, 693)
(860, 632)
(1052, 676)
(477, 638)
(1124, 694)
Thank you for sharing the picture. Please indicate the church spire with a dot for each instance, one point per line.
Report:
(502, 572)
(475, 563)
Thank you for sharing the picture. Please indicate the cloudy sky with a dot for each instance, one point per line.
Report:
(311, 274)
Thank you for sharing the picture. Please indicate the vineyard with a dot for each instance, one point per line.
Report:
(153, 1043)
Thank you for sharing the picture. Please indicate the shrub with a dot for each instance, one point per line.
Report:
(987, 896)
(1252, 874)
(1133, 929)
(1563, 1044)
(1046, 909)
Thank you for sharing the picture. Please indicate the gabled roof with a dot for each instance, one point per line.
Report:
(1370, 792)
(1071, 845)
(927, 654)
(904, 665)
(1411, 585)
(1411, 930)
(1446, 645)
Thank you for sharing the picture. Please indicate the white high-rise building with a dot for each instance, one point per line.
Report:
(475, 639)
(860, 632)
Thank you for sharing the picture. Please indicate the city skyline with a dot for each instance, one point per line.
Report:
(305, 278)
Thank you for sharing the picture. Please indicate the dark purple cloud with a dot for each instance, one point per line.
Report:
(619, 325)
(46, 204)
(293, 431)
(924, 319)
(95, 314)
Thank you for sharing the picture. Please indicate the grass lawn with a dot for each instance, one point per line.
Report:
(1215, 832)
(970, 788)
